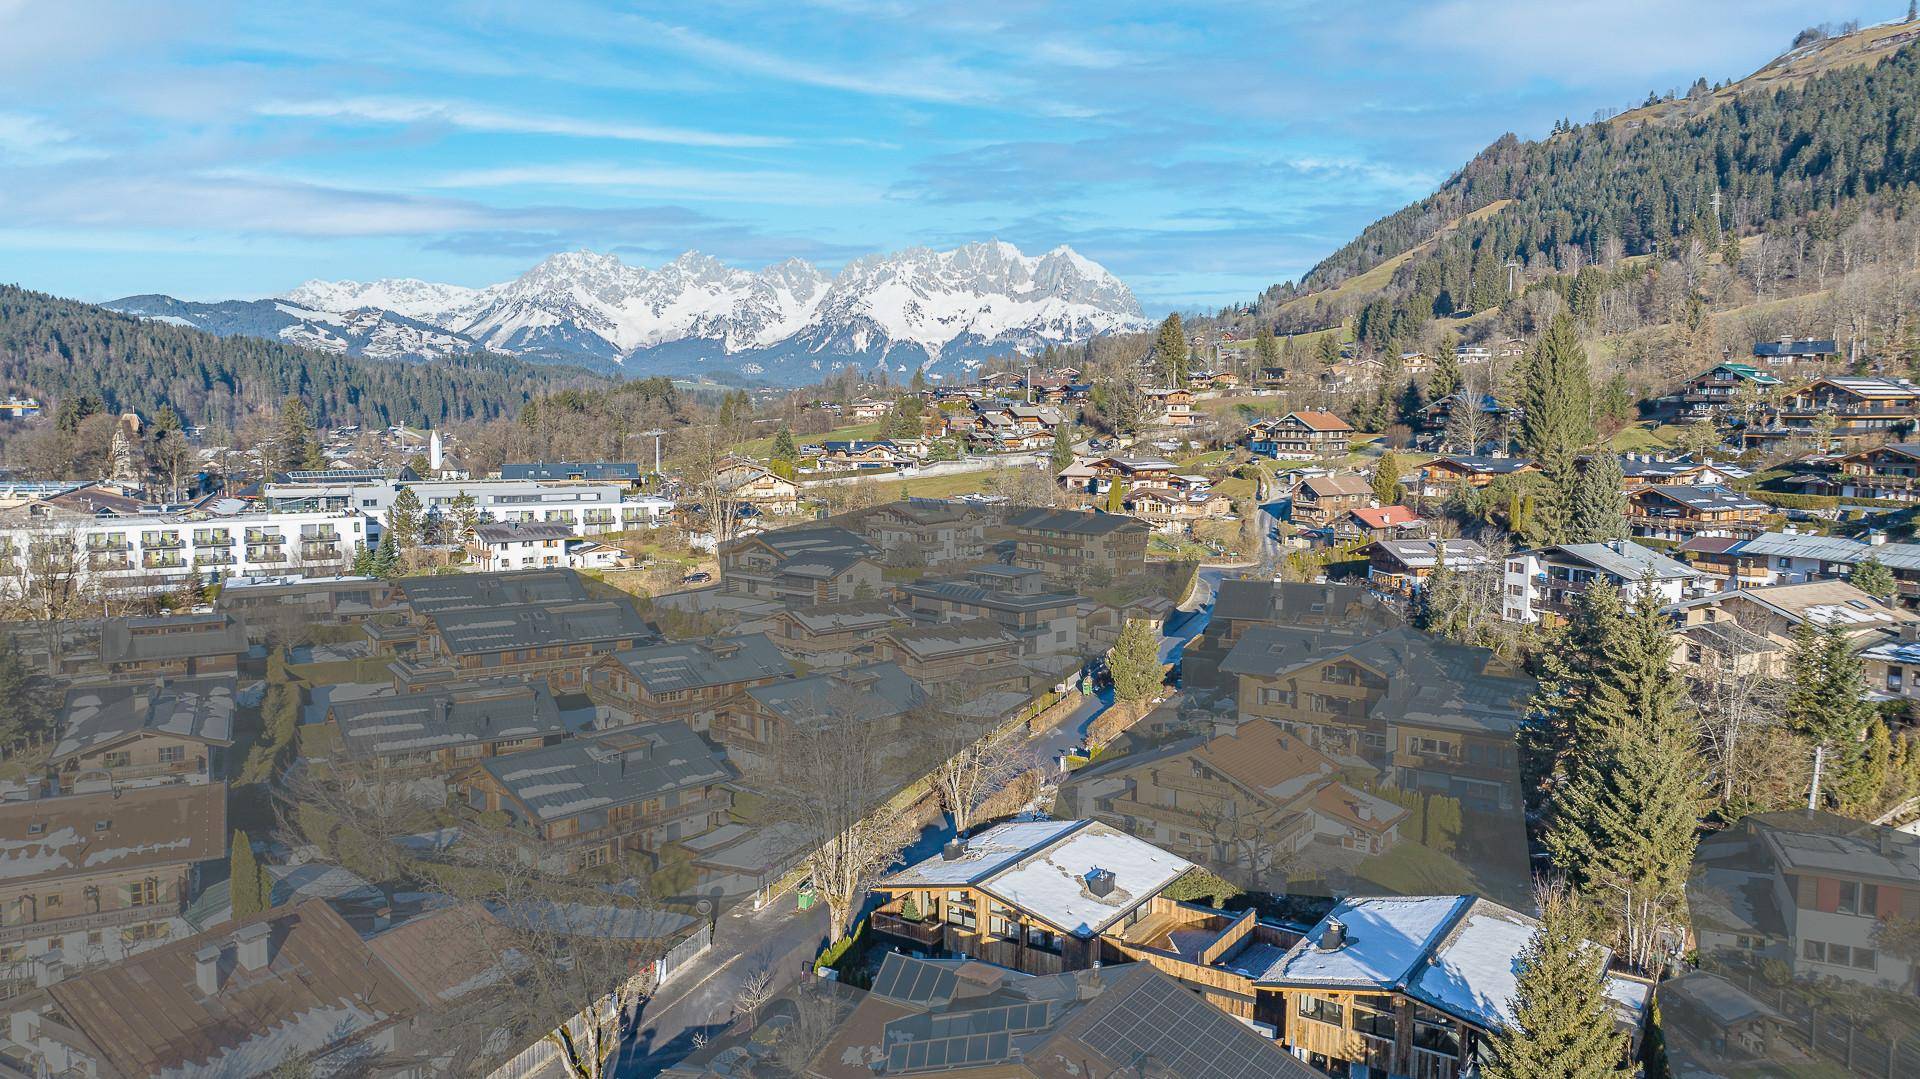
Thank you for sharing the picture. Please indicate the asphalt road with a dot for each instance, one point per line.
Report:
(702, 998)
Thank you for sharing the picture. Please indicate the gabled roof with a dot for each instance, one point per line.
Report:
(1074, 522)
(1627, 560)
(322, 987)
(1386, 939)
(136, 640)
(539, 625)
(95, 717)
(446, 715)
(463, 591)
(1709, 498)
(948, 638)
(1045, 868)
(129, 829)
(833, 617)
(1384, 516)
(1319, 421)
(716, 661)
(876, 691)
(1425, 553)
(521, 532)
(619, 767)
(1346, 483)
(1484, 465)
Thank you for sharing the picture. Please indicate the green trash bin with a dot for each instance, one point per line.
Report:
(806, 897)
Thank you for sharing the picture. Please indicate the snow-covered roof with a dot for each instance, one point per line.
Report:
(1385, 939)
(985, 854)
(1046, 867)
(1053, 883)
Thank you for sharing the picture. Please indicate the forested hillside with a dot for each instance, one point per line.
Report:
(1814, 154)
(56, 349)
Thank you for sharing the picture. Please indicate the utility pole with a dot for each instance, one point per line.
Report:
(1716, 208)
(656, 435)
(1513, 275)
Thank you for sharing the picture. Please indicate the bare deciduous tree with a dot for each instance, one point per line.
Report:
(974, 770)
(835, 784)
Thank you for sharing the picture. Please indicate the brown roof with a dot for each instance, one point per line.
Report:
(1347, 483)
(1322, 421)
(446, 954)
(1263, 757)
(321, 987)
(84, 834)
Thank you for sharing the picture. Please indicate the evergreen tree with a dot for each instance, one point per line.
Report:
(1871, 576)
(464, 514)
(1551, 515)
(1135, 666)
(783, 446)
(1266, 349)
(1446, 369)
(1327, 349)
(1629, 811)
(1116, 496)
(297, 446)
(1062, 452)
(1825, 706)
(1562, 1020)
(1597, 509)
(247, 879)
(1386, 479)
(1170, 348)
(406, 523)
(1556, 393)
(386, 558)
(919, 382)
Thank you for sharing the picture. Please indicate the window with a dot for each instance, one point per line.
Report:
(143, 893)
(172, 754)
(594, 857)
(1042, 940)
(1694, 653)
(53, 900)
(1374, 1016)
(1814, 950)
(1856, 898)
(1320, 1010)
(1863, 958)
(960, 911)
(119, 758)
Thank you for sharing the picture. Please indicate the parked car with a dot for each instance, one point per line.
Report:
(700, 577)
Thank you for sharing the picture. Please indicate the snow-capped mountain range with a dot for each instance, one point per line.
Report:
(790, 321)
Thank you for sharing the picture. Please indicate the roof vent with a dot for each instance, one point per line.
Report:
(1334, 936)
(953, 849)
(1100, 883)
(253, 945)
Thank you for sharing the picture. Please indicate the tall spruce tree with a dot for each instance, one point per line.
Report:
(1597, 509)
(1170, 349)
(1562, 1024)
(1552, 513)
(1386, 479)
(1062, 453)
(1628, 812)
(1135, 666)
(1556, 393)
(1825, 706)
(1446, 376)
(783, 447)
(296, 446)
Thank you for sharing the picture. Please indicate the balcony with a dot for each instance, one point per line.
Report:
(257, 536)
(325, 535)
(165, 541)
(266, 554)
(319, 552)
(221, 538)
(98, 545)
(161, 561)
(80, 923)
(926, 933)
(101, 563)
(215, 558)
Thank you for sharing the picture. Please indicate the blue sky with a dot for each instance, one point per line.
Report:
(1201, 150)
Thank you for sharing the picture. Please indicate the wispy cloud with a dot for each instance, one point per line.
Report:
(777, 187)
(471, 116)
(30, 140)
(927, 77)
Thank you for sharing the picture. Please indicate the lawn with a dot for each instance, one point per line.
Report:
(761, 447)
(1638, 439)
(959, 483)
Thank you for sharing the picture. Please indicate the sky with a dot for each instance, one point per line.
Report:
(1202, 151)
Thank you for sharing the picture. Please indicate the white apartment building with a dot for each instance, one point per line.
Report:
(588, 508)
(1545, 582)
(150, 554)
